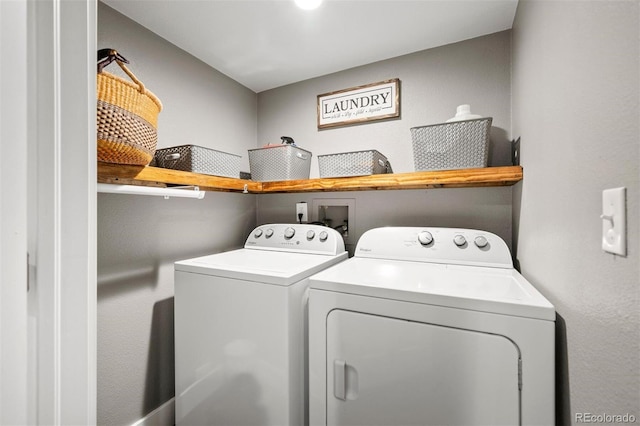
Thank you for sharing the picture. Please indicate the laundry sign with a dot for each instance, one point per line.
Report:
(376, 101)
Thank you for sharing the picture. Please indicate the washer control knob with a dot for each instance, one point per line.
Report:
(425, 238)
(481, 241)
(289, 233)
(323, 235)
(310, 235)
(459, 240)
(268, 233)
(257, 233)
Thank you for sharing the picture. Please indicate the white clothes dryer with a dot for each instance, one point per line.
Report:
(240, 327)
(429, 326)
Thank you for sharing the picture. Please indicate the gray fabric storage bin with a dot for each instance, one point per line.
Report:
(197, 159)
(356, 163)
(453, 145)
(279, 162)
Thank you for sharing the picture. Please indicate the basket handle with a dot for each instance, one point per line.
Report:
(301, 156)
(141, 87)
(106, 56)
(386, 164)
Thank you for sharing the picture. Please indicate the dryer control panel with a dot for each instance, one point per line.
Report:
(438, 245)
(299, 238)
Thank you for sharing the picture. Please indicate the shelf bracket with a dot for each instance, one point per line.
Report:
(177, 191)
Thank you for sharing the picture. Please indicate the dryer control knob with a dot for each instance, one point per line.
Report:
(323, 235)
(425, 238)
(268, 233)
(481, 241)
(459, 240)
(310, 235)
(289, 233)
(258, 233)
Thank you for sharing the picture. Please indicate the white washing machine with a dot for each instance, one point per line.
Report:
(429, 326)
(240, 327)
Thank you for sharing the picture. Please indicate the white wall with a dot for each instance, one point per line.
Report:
(433, 83)
(576, 106)
(140, 237)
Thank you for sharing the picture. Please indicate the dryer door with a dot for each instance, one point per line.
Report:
(387, 371)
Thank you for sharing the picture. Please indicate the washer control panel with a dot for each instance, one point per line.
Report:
(301, 238)
(437, 245)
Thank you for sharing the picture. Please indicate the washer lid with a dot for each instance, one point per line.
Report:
(485, 289)
(272, 267)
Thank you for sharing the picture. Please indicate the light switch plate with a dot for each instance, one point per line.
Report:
(614, 221)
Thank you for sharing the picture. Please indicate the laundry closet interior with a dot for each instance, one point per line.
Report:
(523, 76)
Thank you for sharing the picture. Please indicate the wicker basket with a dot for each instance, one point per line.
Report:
(127, 119)
(453, 145)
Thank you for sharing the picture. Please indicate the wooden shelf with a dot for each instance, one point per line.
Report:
(464, 178)
(489, 176)
(154, 176)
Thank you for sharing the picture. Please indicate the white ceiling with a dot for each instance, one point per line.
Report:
(264, 44)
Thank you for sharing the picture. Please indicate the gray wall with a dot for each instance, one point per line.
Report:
(140, 237)
(433, 83)
(201, 106)
(476, 208)
(576, 107)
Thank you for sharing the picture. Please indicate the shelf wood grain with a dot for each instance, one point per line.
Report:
(463, 178)
(155, 176)
(466, 178)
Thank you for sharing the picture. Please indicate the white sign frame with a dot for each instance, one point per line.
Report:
(361, 104)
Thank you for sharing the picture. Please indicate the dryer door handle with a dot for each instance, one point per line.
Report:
(339, 379)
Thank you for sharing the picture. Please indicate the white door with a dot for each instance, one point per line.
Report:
(387, 371)
(13, 213)
(47, 162)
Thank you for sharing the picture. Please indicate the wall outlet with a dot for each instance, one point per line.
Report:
(302, 214)
(338, 213)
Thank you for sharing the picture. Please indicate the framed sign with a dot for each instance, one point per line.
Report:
(376, 101)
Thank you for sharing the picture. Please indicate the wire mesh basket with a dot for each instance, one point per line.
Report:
(357, 163)
(454, 145)
(279, 162)
(197, 159)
